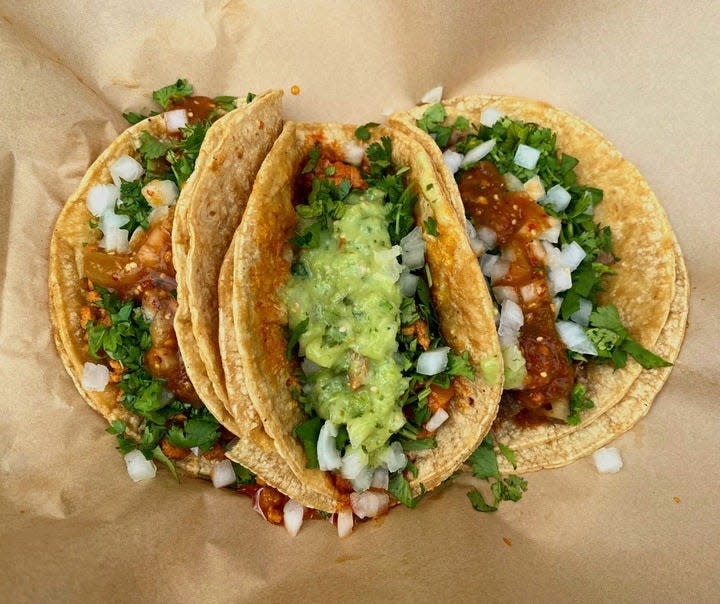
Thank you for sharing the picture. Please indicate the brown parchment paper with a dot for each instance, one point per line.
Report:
(73, 527)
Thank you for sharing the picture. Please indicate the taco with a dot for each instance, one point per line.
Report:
(582, 262)
(361, 322)
(120, 312)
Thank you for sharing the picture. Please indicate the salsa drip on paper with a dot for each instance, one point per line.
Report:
(545, 257)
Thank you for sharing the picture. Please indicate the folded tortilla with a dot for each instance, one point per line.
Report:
(649, 288)
(207, 211)
(261, 261)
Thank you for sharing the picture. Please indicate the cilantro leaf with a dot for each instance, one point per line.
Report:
(483, 462)
(647, 359)
(363, 132)
(167, 94)
(478, 502)
(151, 147)
(399, 488)
(201, 432)
(509, 489)
(308, 432)
(250, 97)
(134, 118)
(578, 403)
(226, 103)
(431, 226)
(295, 334)
(243, 475)
(158, 454)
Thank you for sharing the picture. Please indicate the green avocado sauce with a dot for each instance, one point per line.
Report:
(347, 291)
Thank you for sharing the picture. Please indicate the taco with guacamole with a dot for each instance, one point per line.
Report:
(360, 318)
(126, 272)
(586, 275)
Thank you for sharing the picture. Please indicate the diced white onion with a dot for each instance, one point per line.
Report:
(453, 160)
(575, 338)
(381, 478)
(534, 188)
(222, 474)
(487, 236)
(413, 249)
(408, 283)
(511, 320)
(101, 198)
(526, 157)
(125, 168)
(505, 292)
(528, 292)
(434, 95)
(572, 255)
(328, 456)
(138, 467)
(557, 197)
(353, 462)
(394, 457)
(386, 260)
(438, 419)
(160, 193)
(560, 279)
(363, 480)
(499, 269)
(477, 246)
(552, 233)
(156, 215)
(489, 116)
(175, 119)
(487, 261)
(354, 153)
(111, 219)
(344, 523)
(608, 460)
(557, 303)
(582, 315)
(95, 377)
(537, 249)
(115, 239)
(512, 182)
(195, 451)
(477, 153)
(369, 504)
(433, 362)
(293, 514)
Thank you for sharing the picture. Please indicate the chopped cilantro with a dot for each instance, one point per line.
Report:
(363, 132)
(299, 330)
(483, 463)
(151, 147)
(133, 118)
(431, 226)
(243, 475)
(226, 103)
(308, 432)
(250, 97)
(399, 488)
(578, 403)
(167, 94)
(199, 432)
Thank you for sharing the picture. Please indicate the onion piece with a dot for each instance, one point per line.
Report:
(394, 457)
(156, 215)
(433, 362)
(413, 249)
(572, 255)
(511, 320)
(534, 188)
(308, 367)
(582, 315)
(528, 292)
(353, 462)
(408, 283)
(477, 246)
(293, 515)
(487, 236)
(388, 264)
(256, 503)
(477, 153)
(125, 168)
(505, 292)
(95, 377)
(512, 182)
(608, 460)
(499, 269)
(328, 456)
(557, 197)
(490, 115)
(526, 157)
(487, 261)
(353, 152)
(552, 233)
(434, 95)
(453, 160)
(222, 474)
(438, 419)
(560, 279)
(138, 467)
(575, 338)
(344, 523)
(381, 478)
(101, 198)
(363, 480)
(369, 504)
(175, 119)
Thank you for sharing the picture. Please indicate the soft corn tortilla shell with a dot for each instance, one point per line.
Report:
(262, 267)
(643, 289)
(66, 292)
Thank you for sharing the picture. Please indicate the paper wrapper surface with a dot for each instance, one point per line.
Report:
(73, 527)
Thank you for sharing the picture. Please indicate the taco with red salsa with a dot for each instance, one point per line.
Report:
(351, 299)
(134, 256)
(585, 272)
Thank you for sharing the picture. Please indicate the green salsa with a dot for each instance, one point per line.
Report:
(347, 292)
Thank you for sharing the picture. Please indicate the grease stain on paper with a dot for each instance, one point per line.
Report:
(507, 541)
(295, 90)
